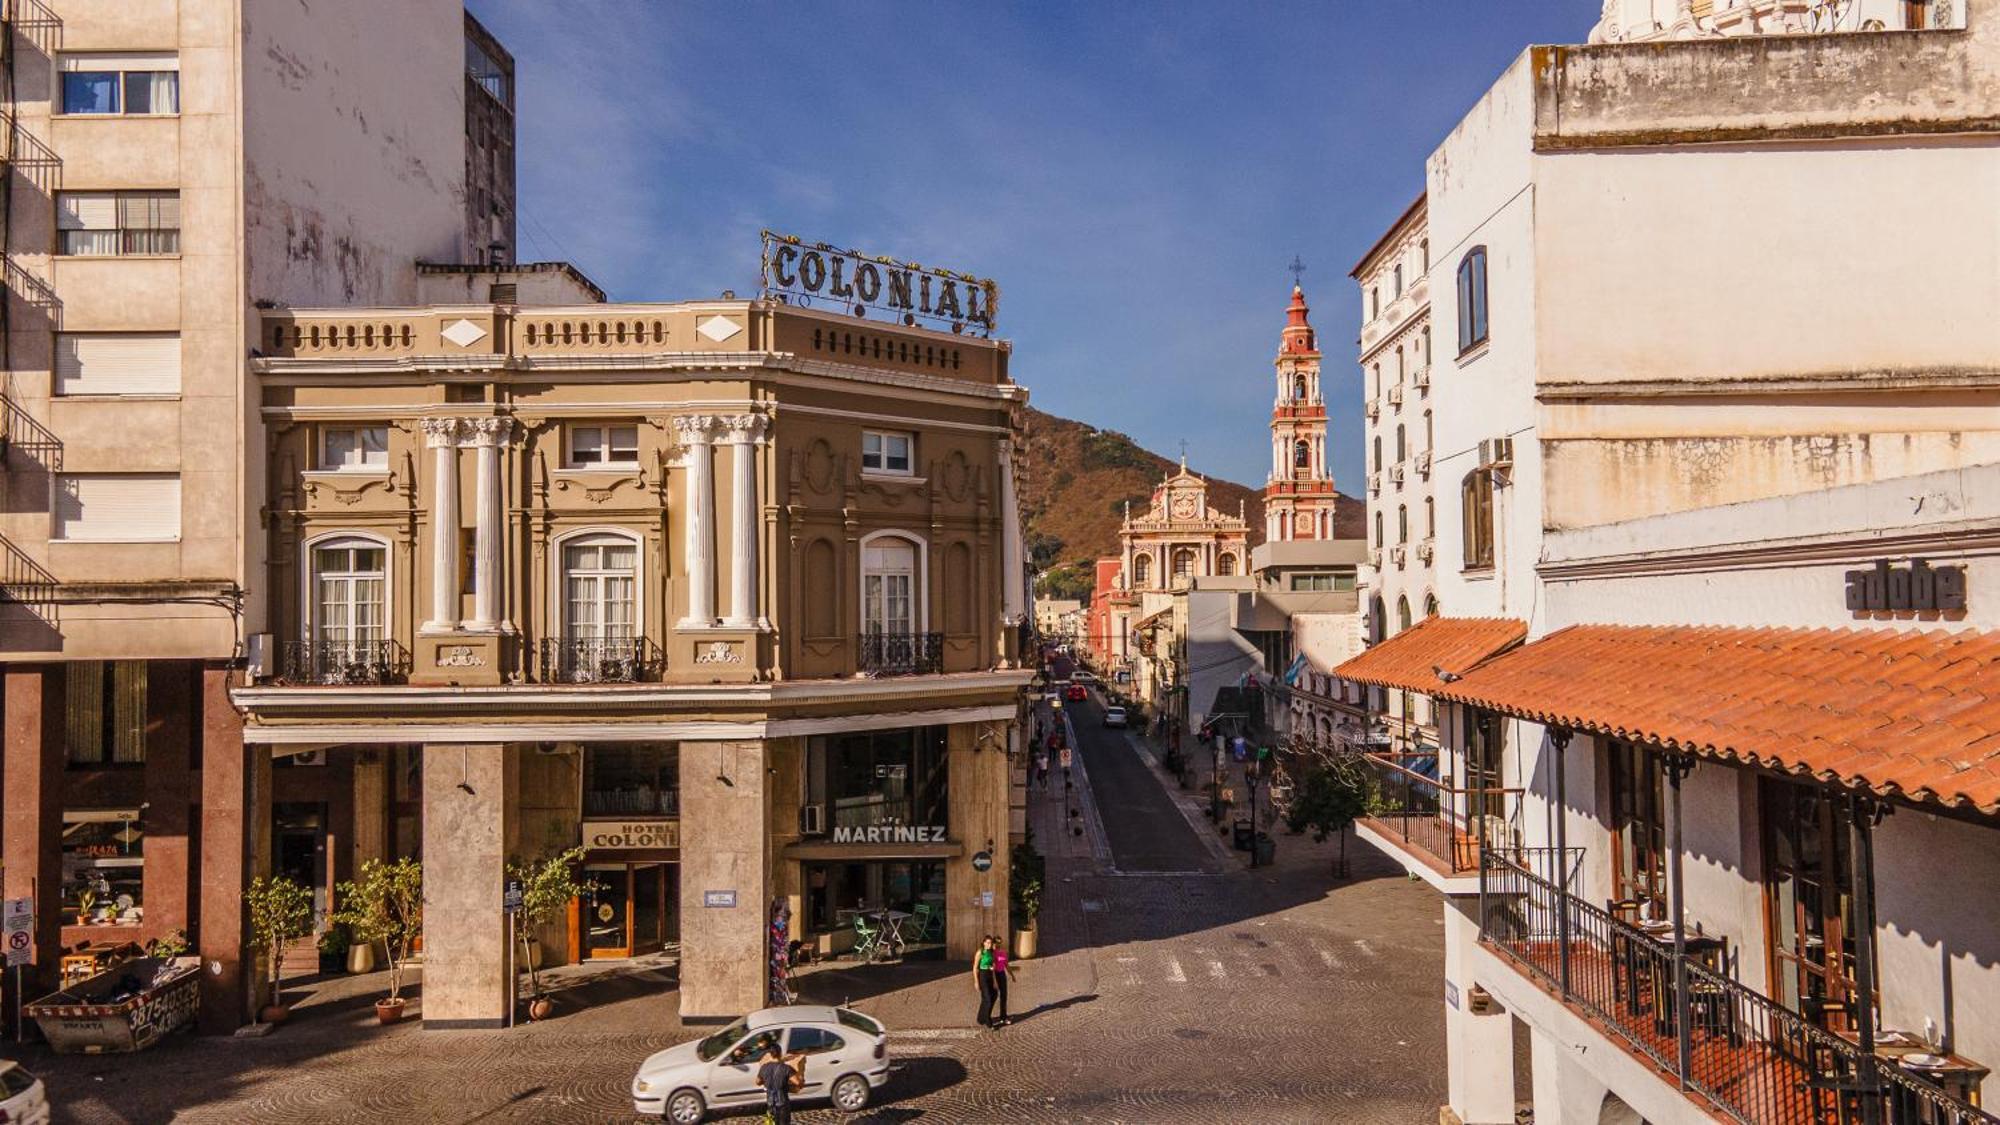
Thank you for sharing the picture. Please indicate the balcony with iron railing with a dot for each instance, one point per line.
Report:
(343, 662)
(595, 660)
(1671, 997)
(901, 654)
(1442, 825)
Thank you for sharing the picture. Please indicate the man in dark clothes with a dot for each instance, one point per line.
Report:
(776, 1077)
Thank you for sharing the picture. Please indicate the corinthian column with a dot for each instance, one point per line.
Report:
(746, 433)
(697, 439)
(488, 435)
(441, 434)
(1010, 540)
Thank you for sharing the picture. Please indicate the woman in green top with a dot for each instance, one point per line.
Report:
(984, 974)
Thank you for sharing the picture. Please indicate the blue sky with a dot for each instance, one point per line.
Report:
(1136, 176)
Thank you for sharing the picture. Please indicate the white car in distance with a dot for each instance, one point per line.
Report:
(846, 1061)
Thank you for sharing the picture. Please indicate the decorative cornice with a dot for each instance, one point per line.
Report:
(1945, 541)
(695, 429)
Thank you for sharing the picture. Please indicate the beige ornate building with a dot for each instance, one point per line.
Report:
(728, 593)
(1180, 538)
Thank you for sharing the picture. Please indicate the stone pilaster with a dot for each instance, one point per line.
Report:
(725, 851)
(488, 436)
(697, 434)
(746, 433)
(980, 778)
(33, 810)
(469, 806)
(235, 830)
(441, 434)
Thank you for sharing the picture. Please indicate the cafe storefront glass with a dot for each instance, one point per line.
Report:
(835, 892)
(879, 780)
(103, 867)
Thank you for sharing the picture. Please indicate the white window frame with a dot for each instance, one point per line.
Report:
(309, 600)
(920, 579)
(559, 562)
(326, 462)
(882, 438)
(604, 432)
(72, 340)
(117, 227)
(55, 511)
(121, 64)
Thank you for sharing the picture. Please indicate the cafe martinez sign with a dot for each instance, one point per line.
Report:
(631, 835)
(890, 834)
(818, 275)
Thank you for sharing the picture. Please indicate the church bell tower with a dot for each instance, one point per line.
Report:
(1299, 500)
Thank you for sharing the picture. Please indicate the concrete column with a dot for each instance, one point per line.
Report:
(32, 833)
(1479, 1049)
(725, 851)
(469, 803)
(489, 530)
(978, 822)
(441, 434)
(371, 806)
(697, 442)
(235, 825)
(170, 697)
(1565, 1093)
(745, 432)
(1010, 540)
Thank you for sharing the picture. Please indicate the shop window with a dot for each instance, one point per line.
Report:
(835, 893)
(631, 780)
(894, 780)
(104, 712)
(103, 867)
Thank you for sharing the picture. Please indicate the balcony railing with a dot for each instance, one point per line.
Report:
(641, 801)
(343, 662)
(902, 654)
(1757, 1061)
(593, 660)
(1409, 801)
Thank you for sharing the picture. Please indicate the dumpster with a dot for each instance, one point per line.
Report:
(125, 1008)
(1241, 834)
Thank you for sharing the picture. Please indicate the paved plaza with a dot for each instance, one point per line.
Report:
(1175, 985)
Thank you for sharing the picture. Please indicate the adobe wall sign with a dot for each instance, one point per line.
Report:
(1919, 588)
(814, 274)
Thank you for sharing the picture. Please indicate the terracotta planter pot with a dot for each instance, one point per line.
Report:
(389, 1011)
(541, 1008)
(1024, 944)
(274, 1013)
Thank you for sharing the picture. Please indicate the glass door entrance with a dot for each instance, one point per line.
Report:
(629, 911)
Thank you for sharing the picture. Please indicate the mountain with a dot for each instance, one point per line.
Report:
(1077, 482)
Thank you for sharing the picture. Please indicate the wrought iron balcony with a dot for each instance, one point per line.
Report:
(1410, 802)
(902, 654)
(1759, 1061)
(593, 660)
(334, 662)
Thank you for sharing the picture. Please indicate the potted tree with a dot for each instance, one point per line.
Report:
(1027, 870)
(281, 911)
(386, 906)
(548, 886)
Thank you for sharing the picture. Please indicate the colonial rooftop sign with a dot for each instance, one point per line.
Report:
(814, 274)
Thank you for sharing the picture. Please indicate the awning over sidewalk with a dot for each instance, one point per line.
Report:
(1914, 713)
(1412, 659)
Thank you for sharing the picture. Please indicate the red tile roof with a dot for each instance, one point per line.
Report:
(1410, 659)
(1914, 713)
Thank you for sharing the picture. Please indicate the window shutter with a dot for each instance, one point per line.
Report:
(87, 210)
(117, 507)
(121, 363)
(142, 61)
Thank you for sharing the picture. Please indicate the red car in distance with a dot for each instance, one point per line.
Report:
(1076, 693)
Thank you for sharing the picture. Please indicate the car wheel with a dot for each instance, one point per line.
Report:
(686, 1107)
(850, 1093)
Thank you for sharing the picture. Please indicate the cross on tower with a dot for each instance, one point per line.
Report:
(1183, 453)
(1298, 269)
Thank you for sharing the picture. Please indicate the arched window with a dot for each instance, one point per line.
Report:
(1375, 381)
(1476, 496)
(1377, 447)
(1299, 389)
(1428, 443)
(1378, 529)
(1399, 279)
(1472, 299)
(1401, 369)
(1183, 564)
(349, 613)
(1402, 523)
(1142, 571)
(600, 584)
(1301, 455)
(1378, 620)
(1430, 517)
(1226, 564)
(1374, 302)
(889, 586)
(1426, 251)
(1402, 613)
(1430, 605)
(1402, 449)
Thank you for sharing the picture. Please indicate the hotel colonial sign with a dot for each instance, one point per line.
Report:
(649, 834)
(813, 274)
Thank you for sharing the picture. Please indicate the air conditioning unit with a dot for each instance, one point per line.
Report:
(1396, 474)
(812, 820)
(259, 657)
(1496, 453)
(1396, 395)
(1396, 555)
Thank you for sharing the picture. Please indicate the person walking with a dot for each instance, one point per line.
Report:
(780, 1079)
(1002, 971)
(1042, 768)
(983, 976)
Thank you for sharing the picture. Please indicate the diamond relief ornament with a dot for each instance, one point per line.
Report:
(464, 333)
(718, 328)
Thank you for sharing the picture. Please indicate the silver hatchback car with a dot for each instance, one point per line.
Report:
(846, 1061)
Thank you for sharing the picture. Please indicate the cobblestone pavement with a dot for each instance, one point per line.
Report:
(1218, 995)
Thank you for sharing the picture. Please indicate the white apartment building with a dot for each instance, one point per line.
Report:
(1716, 810)
(176, 168)
(1638, 21)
